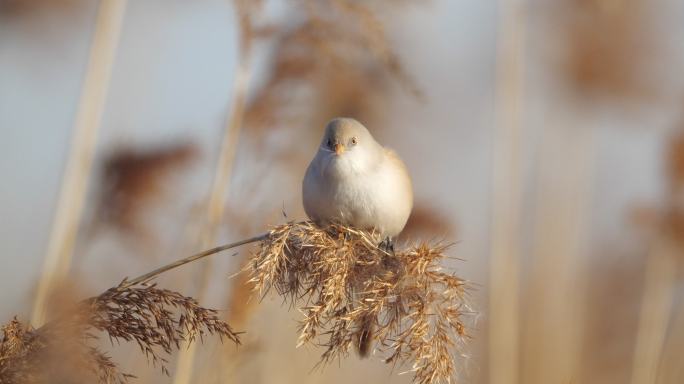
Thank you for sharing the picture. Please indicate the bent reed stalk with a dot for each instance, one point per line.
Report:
(133, 310)
(348, 287)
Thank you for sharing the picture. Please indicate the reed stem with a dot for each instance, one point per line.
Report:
(222, 176)
(504, 278)
(555, 322)
(75, 179)
(149, 275)
(656, 307)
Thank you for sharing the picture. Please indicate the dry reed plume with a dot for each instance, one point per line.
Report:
(344, 283)
(133, 180)
(30, 356)
(674, 211)
(427, 221)
(157, 320)
(339, 58)
(608, 47)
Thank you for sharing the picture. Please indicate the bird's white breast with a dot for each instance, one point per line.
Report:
(349, 190)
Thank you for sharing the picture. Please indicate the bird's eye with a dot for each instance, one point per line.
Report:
(329, 143)
(354, 141)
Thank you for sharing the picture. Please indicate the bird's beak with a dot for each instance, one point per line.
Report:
(339, 149)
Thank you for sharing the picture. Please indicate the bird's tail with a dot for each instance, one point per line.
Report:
(365, 337)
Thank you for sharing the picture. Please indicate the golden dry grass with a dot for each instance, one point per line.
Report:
(63, 350)
(349, 289)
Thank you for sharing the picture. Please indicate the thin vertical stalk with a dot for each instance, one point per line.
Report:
(555, 314)
(75, 180)
(670, 368)
(656, 307)
(504, 278)
(222, 177)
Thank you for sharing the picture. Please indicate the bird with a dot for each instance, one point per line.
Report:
(354, 181)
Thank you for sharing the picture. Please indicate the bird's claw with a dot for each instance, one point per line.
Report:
(387, 245)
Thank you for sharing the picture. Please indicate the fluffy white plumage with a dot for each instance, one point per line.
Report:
(354, 181)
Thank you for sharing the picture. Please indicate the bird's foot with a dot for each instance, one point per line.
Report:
(387, 245)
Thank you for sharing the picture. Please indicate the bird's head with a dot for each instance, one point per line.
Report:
(345, 137)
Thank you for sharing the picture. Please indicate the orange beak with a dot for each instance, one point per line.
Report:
(339, 149)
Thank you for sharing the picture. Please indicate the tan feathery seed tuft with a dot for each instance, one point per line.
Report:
(157, 320)
(341, 280)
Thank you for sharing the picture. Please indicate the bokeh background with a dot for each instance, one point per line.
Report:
(545, 139)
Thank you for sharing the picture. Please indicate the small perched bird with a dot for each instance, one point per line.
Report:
(355, 181)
